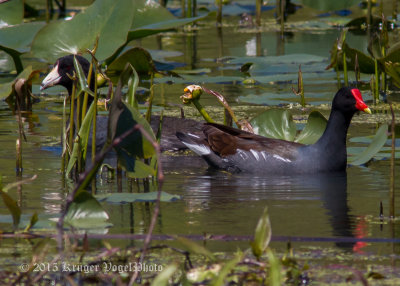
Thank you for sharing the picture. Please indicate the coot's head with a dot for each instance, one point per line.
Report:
(62, 68)
(348, 101)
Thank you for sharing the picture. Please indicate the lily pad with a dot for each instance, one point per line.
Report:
(86, 212)
(314, 129)
(377, 143)
(119, 198)
(12, 12)
(78, 34)
(275, 123)
(149, 18)
(139, 58)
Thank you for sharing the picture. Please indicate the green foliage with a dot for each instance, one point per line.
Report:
(275, 123)
(122, 118)
(219, 280)
(313, 130)
(119, 198)
(86, 212)
(262, 235)
(196, 248)
(78, 34)
(12, 207)
(12, 12)
(162, 279)
(377, 143)
(80, 144)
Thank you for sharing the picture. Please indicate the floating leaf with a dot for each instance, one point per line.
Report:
(139, 58)
(86, 212)
(262, 235)
(13, 207)
(150, 18)
(377, 143)
(78, 34)
(314, 129)
(12, 12)
(275, 123)
(195, 247)
(118, 198)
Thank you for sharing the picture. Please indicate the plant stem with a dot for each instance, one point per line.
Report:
(392, 166)
(71, 116)
(148, 113)
(258, 12)
(346, 79)
(86, 95)
(376, 82)
(202, 111)
(219, 13)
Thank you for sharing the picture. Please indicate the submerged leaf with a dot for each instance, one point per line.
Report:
(314, 129)
(377, 143)
(275, 123)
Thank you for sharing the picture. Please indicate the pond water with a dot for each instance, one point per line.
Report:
(315, 206)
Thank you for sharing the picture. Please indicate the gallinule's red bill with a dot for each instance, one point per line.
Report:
(236, 150)
(59, 76)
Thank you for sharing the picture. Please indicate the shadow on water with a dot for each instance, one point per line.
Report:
(313, 205)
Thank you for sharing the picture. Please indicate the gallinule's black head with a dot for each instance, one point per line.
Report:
(62, 68)
(235, 150)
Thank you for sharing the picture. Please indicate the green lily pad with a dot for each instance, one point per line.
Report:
(12, 12)
(314, 129)
(86, 212)
(377, 143)
(275, 123)
(150, 18)
(139, 58)
(119, 198)
(78, 34)
(329, 5)
(7, 88)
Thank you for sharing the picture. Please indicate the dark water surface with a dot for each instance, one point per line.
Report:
(316, 206)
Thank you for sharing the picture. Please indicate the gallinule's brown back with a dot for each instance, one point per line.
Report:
(235, 150)
(59, 76)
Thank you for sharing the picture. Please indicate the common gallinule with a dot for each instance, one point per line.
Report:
(170, 125)
(236, 150)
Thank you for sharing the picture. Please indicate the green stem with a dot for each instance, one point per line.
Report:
(202, 111)
(148, 113)
(86, 95)
(71, 116)
(376, 82)
(346, 79)
(258, 12)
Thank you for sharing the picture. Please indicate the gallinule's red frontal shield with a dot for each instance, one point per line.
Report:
(236, 150)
